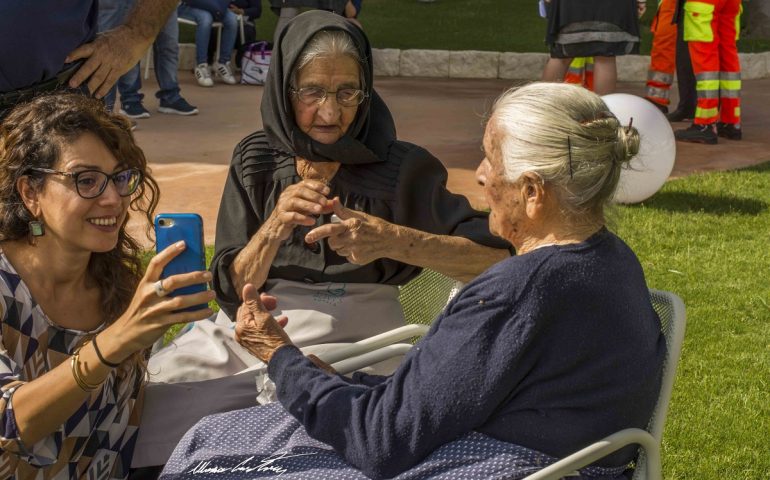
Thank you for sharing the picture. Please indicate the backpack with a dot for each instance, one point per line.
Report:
(255, 63)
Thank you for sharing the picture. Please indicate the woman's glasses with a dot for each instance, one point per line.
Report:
(92, 183)
(347, 97)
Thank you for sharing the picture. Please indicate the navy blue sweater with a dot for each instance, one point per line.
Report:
(551, 350)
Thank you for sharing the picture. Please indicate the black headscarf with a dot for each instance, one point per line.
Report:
(371, 132)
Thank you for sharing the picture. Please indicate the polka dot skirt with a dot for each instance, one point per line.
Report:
(265, 441)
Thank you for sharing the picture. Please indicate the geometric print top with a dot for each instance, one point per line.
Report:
(97, 441)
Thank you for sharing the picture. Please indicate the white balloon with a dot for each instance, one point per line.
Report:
(650, 168)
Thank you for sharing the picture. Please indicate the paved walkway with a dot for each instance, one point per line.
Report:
(189, 155)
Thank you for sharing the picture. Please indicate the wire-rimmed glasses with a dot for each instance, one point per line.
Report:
(347, 97)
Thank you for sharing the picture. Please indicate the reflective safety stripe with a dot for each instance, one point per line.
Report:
(730, 93)
(708, 93)
(707, 85)
(729, 75)
(707, 76)
(662, 93)
(706, 112)
(697, 22)
(734, 85)
(738, 23)
(660, 77)
(737, 112)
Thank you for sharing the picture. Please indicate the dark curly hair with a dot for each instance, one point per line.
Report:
(32, 136)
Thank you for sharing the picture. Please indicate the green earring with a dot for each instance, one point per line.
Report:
(36, 229)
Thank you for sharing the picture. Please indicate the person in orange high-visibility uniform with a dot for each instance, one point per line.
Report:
(660, 76)
(711, 27)
(581, 72)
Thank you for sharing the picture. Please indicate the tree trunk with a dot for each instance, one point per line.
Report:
(757, 18)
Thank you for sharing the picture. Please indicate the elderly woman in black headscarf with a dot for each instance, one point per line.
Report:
(325, 208)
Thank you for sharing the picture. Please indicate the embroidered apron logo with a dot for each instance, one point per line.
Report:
(332, 296)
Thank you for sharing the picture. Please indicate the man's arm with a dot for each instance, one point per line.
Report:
(116, 51)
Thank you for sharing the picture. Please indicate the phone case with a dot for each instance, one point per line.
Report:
(173, 227)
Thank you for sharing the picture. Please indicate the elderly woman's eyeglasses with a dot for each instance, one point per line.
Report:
(92, 183)
(347, 97)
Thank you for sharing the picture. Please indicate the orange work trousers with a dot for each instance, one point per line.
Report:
(711, 27)
(660, 76)
(581, 72)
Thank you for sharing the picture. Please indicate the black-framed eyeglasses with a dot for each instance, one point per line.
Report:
(347, 97)
(92, 183)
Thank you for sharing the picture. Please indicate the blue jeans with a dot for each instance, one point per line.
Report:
(112, 13)
(165, 55)
(204, 19)
(165, 59)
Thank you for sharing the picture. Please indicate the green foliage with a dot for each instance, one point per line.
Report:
(491, 25)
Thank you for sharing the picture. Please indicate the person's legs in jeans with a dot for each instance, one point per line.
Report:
(130, 98)
(165, 53)
(129, 85)
(112, 13)
(202, 30)
(229, 33)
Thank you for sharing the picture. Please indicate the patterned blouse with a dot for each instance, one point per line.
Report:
(97, 441)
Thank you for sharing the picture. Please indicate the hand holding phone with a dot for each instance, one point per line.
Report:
(171, 228)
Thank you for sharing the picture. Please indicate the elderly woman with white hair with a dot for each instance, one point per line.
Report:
(543, 353)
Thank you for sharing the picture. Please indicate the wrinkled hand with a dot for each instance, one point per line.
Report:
(299, 204)
(110, 55)
(256, 330)
(236, 10)
(359, 237)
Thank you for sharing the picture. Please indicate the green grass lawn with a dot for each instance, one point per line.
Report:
(492, 25)
(705, 238)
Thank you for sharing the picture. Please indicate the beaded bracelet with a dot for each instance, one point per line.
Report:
(75, 362)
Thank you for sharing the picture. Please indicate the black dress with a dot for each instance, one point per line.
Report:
(592, 28)
(407, 188)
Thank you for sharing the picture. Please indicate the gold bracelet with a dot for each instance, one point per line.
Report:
(75, 362)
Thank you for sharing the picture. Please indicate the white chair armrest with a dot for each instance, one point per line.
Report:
(373, 343)
(350, 365)
(602, 448)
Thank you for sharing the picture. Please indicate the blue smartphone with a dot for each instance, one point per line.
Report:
(171, 228)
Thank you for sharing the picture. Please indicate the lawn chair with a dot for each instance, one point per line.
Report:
(422, 299)
(431, 285)
(670, 309)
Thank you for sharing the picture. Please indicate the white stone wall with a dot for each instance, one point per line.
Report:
(391, 62)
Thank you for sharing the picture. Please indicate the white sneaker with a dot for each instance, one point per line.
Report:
(223, 71)
(203, 75)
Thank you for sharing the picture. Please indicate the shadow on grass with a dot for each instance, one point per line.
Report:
(684, 202)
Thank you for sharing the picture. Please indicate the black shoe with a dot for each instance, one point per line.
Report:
(730, 131)
(698, 134)
(663, 109)
(680, 115)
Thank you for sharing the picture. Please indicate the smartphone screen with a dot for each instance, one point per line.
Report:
(171, 228)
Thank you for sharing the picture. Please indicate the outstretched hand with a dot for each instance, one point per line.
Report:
(256, 329)
(359, 237)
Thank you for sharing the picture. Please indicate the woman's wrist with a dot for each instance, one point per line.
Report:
(106, 346)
